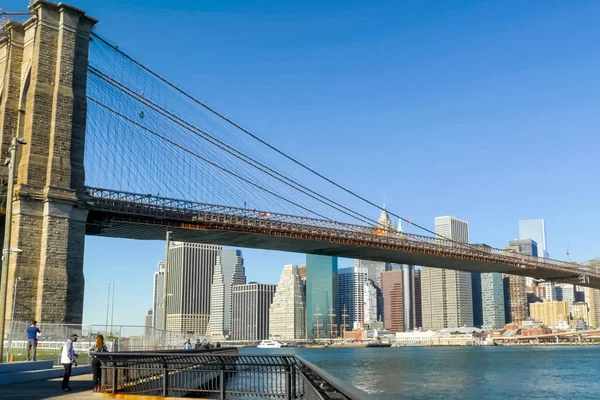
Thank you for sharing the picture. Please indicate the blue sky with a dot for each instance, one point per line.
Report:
(485, 110)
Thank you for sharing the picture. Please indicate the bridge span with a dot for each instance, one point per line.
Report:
(146, 217)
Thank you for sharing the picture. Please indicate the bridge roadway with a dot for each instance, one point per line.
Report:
(146, 217)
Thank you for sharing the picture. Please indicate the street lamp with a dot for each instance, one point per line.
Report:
(12, 316)
(6, 250)
(166, 281)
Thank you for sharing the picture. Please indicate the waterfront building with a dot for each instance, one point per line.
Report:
(351, 294)
(393, 296)
(191, 268)
(157, 296)
(415, 338)
(592, 298)
(321, 295)
(286, 313)
(416, 295)
(550, 312)
(460, 336)
(492, 299)
(228, 271)
(370, 302)
(477, 302)
(250, 305)
(447, 294)
(580, 311)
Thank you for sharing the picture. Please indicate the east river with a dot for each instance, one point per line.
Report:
(462, 372)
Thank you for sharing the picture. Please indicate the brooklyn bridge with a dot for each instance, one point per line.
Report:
(108, 147)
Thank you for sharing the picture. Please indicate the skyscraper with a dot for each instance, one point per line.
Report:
(519, 309)
(370, 303)
(229, 271)
(393, 296)
(148, 323)
(417, 308)
(592, 298)
(250, 305)
(446, 294)
(351, 294)
(286, 314)
(477, 301)
(191, 268)
(374, 270)
(534, 229)
(492, 299)
(321, 294)
(157, 296)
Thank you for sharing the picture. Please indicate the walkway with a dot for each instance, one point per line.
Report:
(81, 385)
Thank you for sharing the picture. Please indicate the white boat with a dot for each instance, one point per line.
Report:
(270, 344)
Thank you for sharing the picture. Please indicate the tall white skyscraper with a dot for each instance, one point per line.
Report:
(351, 294)
(287, 312)
(447, 294)
(229, 271)
(191, 268)
(534, 229)
(157, 296)
(370, 302)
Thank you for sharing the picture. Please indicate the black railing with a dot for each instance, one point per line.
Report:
(220, 373)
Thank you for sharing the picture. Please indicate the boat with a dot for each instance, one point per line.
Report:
(270, 344)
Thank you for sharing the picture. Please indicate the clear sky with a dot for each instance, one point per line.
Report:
(485, 110)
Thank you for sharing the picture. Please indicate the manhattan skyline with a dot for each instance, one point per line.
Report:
(412, 104)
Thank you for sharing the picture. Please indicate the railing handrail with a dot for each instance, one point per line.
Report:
(347, 390)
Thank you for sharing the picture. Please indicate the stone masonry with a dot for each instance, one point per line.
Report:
(43, 73)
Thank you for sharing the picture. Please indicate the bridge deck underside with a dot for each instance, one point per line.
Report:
(101, 224)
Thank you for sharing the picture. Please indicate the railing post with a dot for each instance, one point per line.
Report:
(288, 383)
(294, 376)
(165, 380)
(222, 380)
(114, 376)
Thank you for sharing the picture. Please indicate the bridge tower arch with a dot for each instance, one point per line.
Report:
(43, 74)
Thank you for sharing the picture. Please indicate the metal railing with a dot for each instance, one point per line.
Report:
(219, 373)
(116, 337)
(219, 216)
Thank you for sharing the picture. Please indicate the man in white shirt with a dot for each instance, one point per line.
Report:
(67, 359)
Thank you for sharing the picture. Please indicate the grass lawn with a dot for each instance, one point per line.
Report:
(49, 354)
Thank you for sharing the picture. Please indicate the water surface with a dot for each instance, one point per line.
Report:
(462, 372)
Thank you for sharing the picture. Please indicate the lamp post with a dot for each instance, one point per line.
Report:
(166, 283)
(12, 318)
(6, 250)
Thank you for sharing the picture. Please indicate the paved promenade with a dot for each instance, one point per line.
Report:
(50, 389)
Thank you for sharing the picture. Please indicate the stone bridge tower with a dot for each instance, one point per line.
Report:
(43, 72)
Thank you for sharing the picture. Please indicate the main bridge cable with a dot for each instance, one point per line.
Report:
(194, 154)
(236, 153)
(272, 147)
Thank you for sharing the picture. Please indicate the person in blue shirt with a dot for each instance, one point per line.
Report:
(32, 340)
(187, 345)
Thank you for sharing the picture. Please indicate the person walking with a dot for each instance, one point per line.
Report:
(198, 345)
(67, 359)
(32, 339)
(99, 347)
(187, 345)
